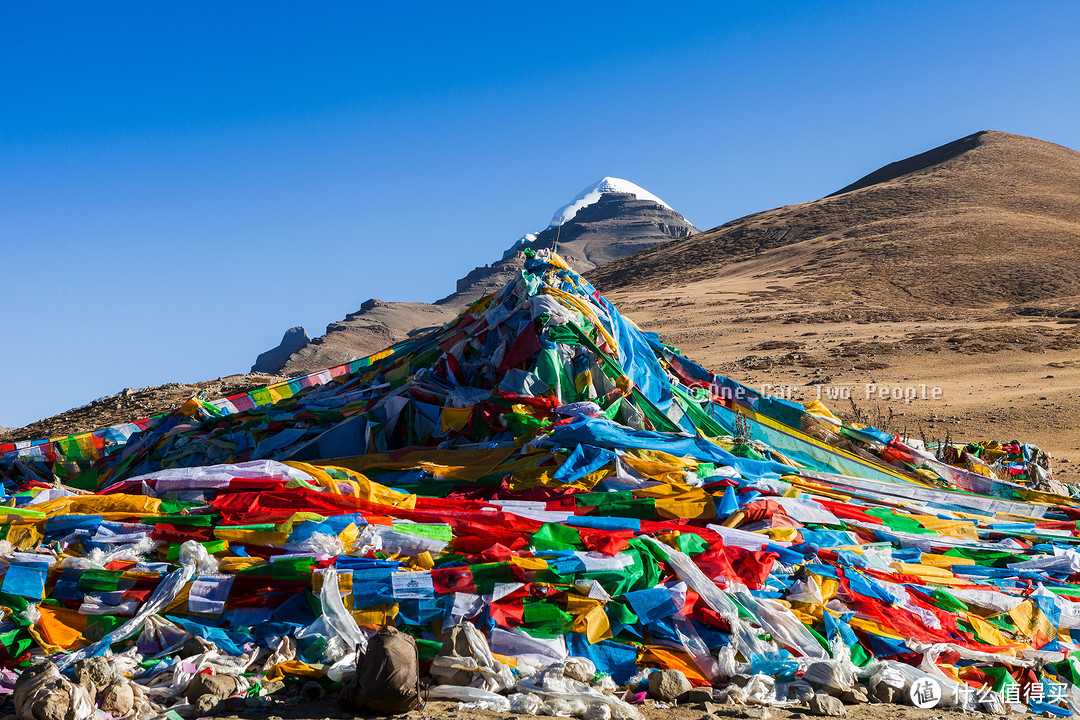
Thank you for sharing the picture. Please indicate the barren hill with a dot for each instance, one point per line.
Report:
(955, 269)
(952, 227)
(133, 404)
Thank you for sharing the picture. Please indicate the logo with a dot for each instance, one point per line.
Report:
(925, 693)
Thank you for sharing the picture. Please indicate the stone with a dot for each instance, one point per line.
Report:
(52, 693)
(826, 705)
(713, 708)
(696, 695)
(798, 691)
(206, 704)
(883, 692)
(220, 686)
(272, 686)
(117, 699)
(667, 685)
(824, 677)
(455, 645)
(577, 671)
(855, 696)
(94, 674)
(755, 713)
(53, 707)
(29, 674)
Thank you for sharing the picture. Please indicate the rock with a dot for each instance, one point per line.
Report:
(825, 677)
(272, 686)
(883, 692)
(272, 360)
(667, 685)
(797, 691)
(117, 699)
(713, 708)
(755, 713)
(456, 645)
(94, 674)
(206, 704)
(53, 707)
(696, 695)
(192, 646)
(27, 675)
(855, 696)
(822, 704)
(220, 686)
(42, 693)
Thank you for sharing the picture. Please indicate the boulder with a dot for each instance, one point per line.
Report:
(887, 686)
(206, 704)
(53, 707)
(826, 705)
(117, 699)
(696, 695)
(94, 674)
(667, 685)
(456, 645)
(797, 691)
(885, 693)
(827, 677)
(41, 693)
(741, 679)
(855, 696)
(220, 686)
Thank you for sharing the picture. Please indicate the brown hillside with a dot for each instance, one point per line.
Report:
(990, 218)
(955, 269)
(131, 404)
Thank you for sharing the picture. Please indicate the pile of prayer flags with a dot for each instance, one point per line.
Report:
(572, 487)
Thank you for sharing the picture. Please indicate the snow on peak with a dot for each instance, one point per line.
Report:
(592, 194)
(522, 243)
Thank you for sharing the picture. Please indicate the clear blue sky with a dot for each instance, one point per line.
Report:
(181, 182)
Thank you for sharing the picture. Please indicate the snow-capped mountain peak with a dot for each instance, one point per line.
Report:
(592, 194)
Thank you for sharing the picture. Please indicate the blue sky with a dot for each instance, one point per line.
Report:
(181, 182)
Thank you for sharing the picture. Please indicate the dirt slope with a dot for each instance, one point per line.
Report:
(956, 229)
(955, 269)
(130, 404)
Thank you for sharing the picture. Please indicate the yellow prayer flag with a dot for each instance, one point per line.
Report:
(455, 418)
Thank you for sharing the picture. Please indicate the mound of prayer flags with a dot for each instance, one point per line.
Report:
(571, 487)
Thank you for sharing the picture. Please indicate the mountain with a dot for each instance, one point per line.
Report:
(988, 219)
(951, 272)
(293, 339)
(609, 220)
